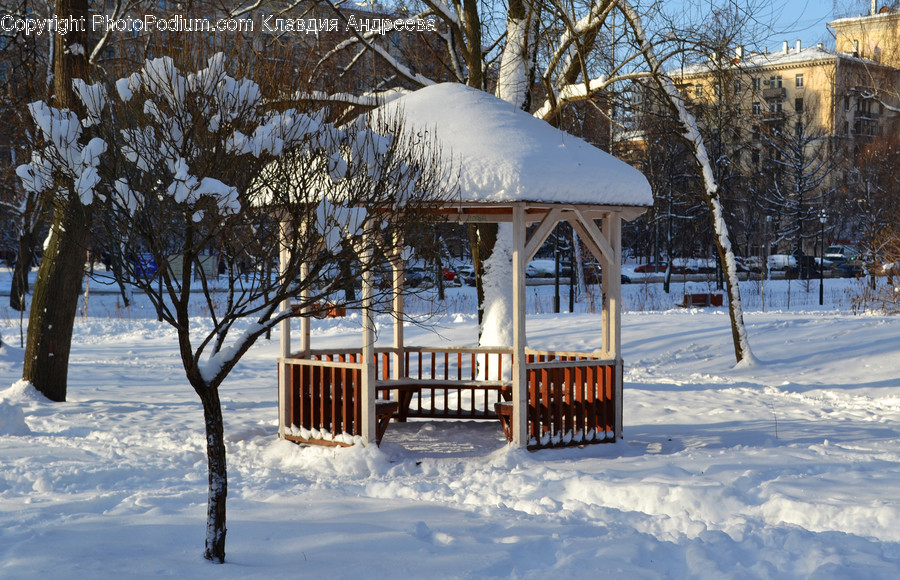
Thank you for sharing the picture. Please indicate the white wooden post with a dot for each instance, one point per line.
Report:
(305, 319)
(519, 376)
(284, 255)
(397, 356)
(367, 384)
(612, 231)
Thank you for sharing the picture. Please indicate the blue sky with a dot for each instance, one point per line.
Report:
(802, 16)
(780, 20)
(806, 19)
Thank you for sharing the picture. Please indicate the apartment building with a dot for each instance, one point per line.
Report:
(836, 93)
(874, 36)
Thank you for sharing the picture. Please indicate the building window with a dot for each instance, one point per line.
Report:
(798, 105)
(775, 82)
(755, 83)
(775, 106)
(798, 81)
(737, 87)
(756, 108)
(846, 103)
(698, 91)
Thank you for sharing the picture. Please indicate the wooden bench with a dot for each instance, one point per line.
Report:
(384, 410)
(704, 299)
(504, 410)
(406, 388)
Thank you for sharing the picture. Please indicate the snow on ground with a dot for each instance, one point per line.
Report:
(789, 469)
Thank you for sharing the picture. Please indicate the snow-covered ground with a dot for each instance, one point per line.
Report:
(790, 469)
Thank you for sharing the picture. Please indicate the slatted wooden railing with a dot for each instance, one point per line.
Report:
(571, 399)
(571, 396)
(450, 382)
(324, 402)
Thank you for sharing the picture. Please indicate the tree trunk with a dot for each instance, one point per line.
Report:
(55, 302)
(58, 284)
(218, 475)
(482, 238)
(24, 261)
(472, 50)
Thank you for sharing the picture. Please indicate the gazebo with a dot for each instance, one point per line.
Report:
(514, 169)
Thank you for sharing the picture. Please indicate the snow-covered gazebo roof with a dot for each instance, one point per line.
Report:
(503, 154)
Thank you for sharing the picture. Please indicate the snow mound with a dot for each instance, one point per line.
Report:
(22, 391)
(12, 418)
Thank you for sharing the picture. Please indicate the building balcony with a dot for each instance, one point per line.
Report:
(868, 115)
(774, 93)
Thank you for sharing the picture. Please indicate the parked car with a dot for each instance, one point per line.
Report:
(804, 268)
(837, 254)
(658, 267)
(692, 265)
(851, 269)
(593, 274)
(466, 274)
(752, 263)
(546, 268)
(778, 262)
(417, 277)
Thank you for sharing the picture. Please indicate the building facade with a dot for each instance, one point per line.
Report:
(793, 123)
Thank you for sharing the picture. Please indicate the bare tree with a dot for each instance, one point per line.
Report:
(574, 52)
(799, 167)
(186, 166)
(23, 62)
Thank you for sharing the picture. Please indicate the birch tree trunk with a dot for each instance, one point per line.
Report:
(691, 133)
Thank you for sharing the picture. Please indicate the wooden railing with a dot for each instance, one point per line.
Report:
(449, 383)
(571, 396)
(571, 399)
(323, 405)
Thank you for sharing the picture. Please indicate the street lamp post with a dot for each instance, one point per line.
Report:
(764, 270)
(823, 217)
